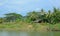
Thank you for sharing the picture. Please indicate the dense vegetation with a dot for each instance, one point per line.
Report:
(14, 20)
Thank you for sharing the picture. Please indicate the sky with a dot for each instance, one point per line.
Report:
(24, 6)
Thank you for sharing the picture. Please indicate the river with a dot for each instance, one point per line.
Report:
(20, 33)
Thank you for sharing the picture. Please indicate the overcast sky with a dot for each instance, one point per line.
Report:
(24, 6)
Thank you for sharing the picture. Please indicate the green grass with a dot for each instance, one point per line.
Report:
(28, 26)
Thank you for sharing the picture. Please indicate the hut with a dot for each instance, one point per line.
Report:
(37, 21)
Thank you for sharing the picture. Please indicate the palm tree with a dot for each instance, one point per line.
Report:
(56, 13)
(33, 15)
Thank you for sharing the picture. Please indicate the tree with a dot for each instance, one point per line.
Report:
(43, 15)
(49, 16)
(56, 15)
(1, 20)
(32, 16)
(12, 16)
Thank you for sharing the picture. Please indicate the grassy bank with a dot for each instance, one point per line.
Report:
(20, 26)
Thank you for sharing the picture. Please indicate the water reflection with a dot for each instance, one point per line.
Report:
(13, 33)
(18, 33)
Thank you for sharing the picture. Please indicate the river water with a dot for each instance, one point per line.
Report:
(20, 33)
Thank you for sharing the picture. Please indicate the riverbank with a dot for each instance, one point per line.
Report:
(20, 26)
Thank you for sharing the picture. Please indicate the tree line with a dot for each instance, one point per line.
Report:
(45, 17)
